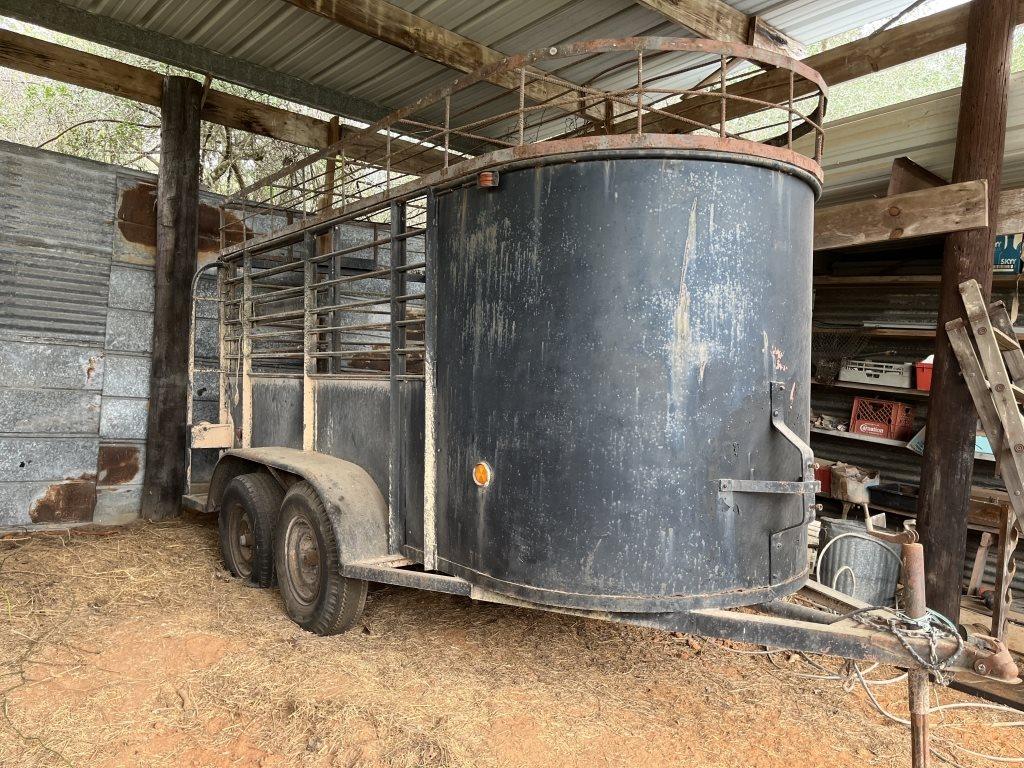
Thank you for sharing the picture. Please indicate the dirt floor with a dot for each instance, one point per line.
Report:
(134, 648)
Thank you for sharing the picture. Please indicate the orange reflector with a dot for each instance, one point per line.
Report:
(482, 474)
(487, 179)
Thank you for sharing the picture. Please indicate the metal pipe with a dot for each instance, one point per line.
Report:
(917, 679)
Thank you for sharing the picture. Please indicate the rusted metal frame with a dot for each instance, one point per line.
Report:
(223, 411)
(462, 130)
(190, 389)
(289, 315)
(548, 149)
(789, 113)
(396, 368)
(912, 558)
(369, 354)
(737, 50)
(246, 349)
(429, 390)
(281, 294)
(723, 96)
(274, 334)
(639, 105)
(277, 356)
(359, 327)
(360, 342)
(356, 249)
(309, 344)
(291, 266)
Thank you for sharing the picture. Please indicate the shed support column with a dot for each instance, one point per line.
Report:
(949, 447)
(177, 241)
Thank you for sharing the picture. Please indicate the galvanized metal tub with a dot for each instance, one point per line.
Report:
(860, 566)
(607, 330)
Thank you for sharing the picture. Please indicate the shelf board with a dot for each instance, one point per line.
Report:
(889, 333)
(827, 280)
(873, 388)
(862, 438)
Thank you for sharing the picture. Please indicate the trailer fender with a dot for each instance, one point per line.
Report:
(353, 501)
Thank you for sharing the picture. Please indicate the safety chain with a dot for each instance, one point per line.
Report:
(931, 626)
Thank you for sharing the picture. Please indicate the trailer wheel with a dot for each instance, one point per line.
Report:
(248, 513)
(316, 595)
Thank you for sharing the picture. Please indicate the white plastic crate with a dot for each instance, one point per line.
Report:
(872, 372)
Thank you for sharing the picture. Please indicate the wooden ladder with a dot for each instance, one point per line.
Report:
(994, 374)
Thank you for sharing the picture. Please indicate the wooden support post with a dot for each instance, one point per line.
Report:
(949, 446)
(177, 242)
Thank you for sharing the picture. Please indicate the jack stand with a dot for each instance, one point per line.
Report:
(917, 679)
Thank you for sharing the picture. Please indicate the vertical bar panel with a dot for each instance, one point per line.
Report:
(309, 343)
(429, 341)
(245, 351)
(396, 372)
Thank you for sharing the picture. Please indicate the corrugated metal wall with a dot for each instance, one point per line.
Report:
(77, 242)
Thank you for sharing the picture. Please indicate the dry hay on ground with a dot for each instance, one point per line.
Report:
(133, 648)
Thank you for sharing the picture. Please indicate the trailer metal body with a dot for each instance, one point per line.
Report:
(570, 373)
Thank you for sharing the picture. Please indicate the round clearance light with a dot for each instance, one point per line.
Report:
(482, 474)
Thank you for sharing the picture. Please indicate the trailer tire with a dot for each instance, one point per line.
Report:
(248, 515)
(316, 595)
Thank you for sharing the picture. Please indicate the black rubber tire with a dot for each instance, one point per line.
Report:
(319, 599)
(254, 501)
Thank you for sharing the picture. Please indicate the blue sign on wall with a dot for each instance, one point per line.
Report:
(1008, 254)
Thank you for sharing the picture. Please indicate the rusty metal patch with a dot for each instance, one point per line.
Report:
(136, 219)
(117, 464)
(70, 501)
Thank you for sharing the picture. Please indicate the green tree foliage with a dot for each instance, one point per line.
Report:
(77, 121)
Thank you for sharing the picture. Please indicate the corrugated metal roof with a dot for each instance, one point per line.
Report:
(282, 37)
(859, 149)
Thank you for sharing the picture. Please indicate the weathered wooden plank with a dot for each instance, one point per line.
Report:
(402, 29)
(908, 176)
(1007, 337)
(719, 21)
(177, 242)
(938, 210)
(57, 62)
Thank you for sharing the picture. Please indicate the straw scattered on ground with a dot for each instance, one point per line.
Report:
(134, 648)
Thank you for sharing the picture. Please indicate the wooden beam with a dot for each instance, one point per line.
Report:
(1011, 212)
(949, 450)
(402, 29)
(57, 62)
(908, 176)
(952, 208)
(719, 21)
(177, 243)
(890, 48)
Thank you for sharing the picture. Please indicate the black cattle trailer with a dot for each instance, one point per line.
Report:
(549, 354)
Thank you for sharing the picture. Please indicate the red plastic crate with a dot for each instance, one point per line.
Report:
(882, 418)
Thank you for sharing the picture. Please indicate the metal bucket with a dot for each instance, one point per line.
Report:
(857, 565)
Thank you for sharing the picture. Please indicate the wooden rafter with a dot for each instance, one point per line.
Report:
(719, 21)
(57, 62)
(938, 210)
(402, 29)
